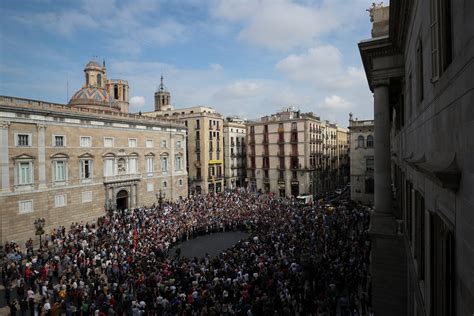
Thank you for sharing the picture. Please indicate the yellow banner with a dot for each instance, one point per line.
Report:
(211, 162)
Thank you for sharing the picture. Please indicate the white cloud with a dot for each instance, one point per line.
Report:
(286, 24)
(321, 65)
(238, 90)
(137, 101)
(335, 102)
(215, 67)
(64, 24)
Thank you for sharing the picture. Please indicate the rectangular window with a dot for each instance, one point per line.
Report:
(108, 167)
(149, 165)
(60, 200)
(150, 187)
(164, 164)
(180, 182)
(85, 141)
(132, 142)
(25, 206)
(59, 170)
(198, 173)
(164, 143)
(132, 165)
(24, 173)
(197, 124)
(86, 196)
(59, 141)
(178, 163)
(23, 140)
(149, 143)
(178, 144)
(86, 169)
(369, 164)
(108, 142)
(419, 63)
(441, 37)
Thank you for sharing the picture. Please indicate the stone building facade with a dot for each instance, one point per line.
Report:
(205, 152)
(420, 69)
(64, 163)
(71, 162)
(234, 153)
(291, 153)
(362, 160)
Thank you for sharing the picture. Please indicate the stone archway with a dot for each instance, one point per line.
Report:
(122, 200)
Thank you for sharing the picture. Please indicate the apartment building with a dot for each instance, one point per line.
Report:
(234, 152)
(204, 151)
(285, 153)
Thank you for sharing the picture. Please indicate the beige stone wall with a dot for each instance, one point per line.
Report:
(42, 151)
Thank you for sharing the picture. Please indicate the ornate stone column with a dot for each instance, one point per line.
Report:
(5, 174)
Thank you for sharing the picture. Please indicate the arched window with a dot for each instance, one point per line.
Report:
(87, 80)
(370, 141)
(116, 92)
(360, 141)
(99, 80)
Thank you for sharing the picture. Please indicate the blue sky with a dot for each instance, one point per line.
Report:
(243, 57)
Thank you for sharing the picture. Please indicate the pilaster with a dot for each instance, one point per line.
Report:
(41, 156)
(4, 153)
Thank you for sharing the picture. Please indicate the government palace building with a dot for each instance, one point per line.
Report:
(72, 163)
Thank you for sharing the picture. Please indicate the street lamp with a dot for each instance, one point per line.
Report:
(160, 197)
(109, 207)
(39, 225)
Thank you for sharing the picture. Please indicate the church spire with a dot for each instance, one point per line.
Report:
(162, 86)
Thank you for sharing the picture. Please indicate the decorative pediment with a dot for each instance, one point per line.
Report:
(109, 154)
(149, 154)
(164, 154)
(59, 156)
(86, 155)
(133, 154)
(24, 157)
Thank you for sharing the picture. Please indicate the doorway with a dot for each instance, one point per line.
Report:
(122, 200)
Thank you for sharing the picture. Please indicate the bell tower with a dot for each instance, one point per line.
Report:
(95, 75)
(162, 98)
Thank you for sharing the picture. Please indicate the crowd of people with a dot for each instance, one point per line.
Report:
(298, 260)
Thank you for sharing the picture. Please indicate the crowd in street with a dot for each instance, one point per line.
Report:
(298, 260)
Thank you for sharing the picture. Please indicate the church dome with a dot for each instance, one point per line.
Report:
(93, 65)
(93, 98)
(89, 95)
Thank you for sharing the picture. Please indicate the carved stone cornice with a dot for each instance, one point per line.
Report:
(4, 124)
